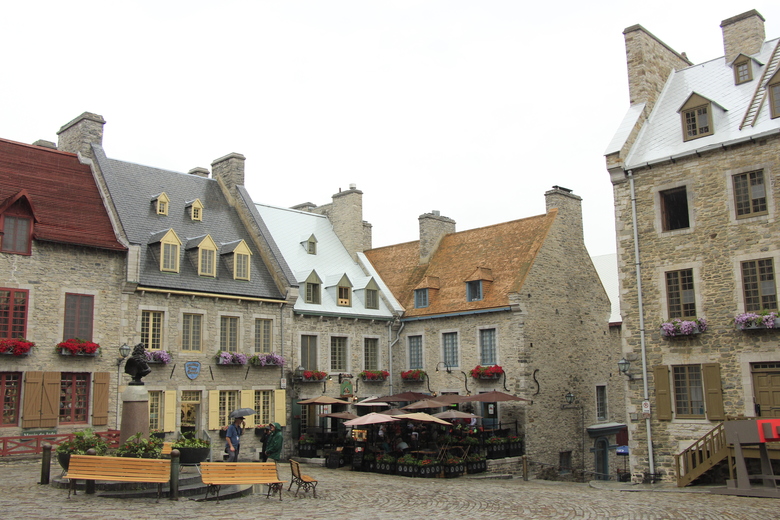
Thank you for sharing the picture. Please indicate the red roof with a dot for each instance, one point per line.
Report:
(66, 201)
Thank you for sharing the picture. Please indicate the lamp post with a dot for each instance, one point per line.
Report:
(124, 351)
(571, 402)
(624, 365)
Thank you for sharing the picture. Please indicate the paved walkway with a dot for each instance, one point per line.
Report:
(368, 496)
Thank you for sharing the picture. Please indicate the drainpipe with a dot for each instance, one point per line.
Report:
(640, 303)
(390, 350)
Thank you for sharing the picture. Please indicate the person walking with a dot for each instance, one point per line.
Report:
(233, 438)
(274, 443)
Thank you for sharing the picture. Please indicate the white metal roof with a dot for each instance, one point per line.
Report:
(607, 269)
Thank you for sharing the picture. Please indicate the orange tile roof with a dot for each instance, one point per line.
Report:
(504, 251)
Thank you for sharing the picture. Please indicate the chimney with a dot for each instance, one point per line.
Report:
(346, 216)
(79, 134)
(742, 34)
(230, 169)
(433, 227)
(200, 172)
(569, 208)
(45, 144)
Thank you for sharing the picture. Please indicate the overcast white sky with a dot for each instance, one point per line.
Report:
(471, 108)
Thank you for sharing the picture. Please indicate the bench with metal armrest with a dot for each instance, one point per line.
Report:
(218, 474)
(305, 481)
(120, 469)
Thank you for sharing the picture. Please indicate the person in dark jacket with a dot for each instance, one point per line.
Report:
(275, 441)
(233, 438)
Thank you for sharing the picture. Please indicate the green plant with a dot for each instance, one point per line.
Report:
(452, 461)
(83, 441)
(374, 375)
(469, 441)
(188, 440)
(140, 448)
(369, 457)
(387, 459)
(443, 440)
(474, 457)
(408, 460)
(306, 439)
(495, 440)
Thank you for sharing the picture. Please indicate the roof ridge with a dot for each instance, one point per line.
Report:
(760, 94)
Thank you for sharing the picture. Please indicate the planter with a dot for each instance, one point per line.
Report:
(304, 380)
(16, 355)
(514, 449)
(407, 470)
(456, 470)
(223, 434)
(476, 467)
(374, 380)
(761, 326)
(679, 335)
(489, 377)
(385, 468)
(193, 455)
(368, 465)
(307, 450)
(496, 451)
(64, 460)
(66, 352)
(158, 435)
(231, 364)
(429, 471)
(259, 432)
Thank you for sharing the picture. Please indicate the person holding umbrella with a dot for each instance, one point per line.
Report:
(274, 443)
(233, 438)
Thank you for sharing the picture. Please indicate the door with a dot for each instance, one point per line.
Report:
(601, 452)
(766, 386)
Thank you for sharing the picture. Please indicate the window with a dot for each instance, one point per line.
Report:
(487, 346)
(758, 285)
(674, 209)
(742, 72)
(372, 299)
(371, 354)
(228, 401)
(774, 96)
(155, 410)
(196, 210)
(564, 461)
(228, 333)
(474, 290)
(313, 293)
(151, 329)
(78, 316)
(13, 313)
(161, 203)
(262, 336)
(680, 295)
(601, 403)
(9, 390)
(688, 393)
(311, 245)
(207, 262)
(196, 215)
(344, 296)
(450, 343)
(170, 257)
(338, 353)
(74, 397)
(415, 353)
(16, 236)
(420, 298)
(696, 122)
(241, 266)
(309, 352)
(749, 194)
(191, 334)
(264, 405)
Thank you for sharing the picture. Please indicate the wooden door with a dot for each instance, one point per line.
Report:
(766, 385)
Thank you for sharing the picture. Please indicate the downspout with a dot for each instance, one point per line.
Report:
(390, 350)
(640, 303)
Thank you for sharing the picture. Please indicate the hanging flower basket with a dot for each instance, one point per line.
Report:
(376, 376)
(414, 375)
(16, 347)
(756, 321)
(488, 372)
(680, 328)
(78, 347)
(231, 358)
(267, 360)
(158, 357)
(311, 376)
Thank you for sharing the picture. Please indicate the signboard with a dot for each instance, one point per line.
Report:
(283, 383)
(346, 388)
(192, 369)
(39, 432)
(645, 409)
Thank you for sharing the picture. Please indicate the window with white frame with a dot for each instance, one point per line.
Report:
(450, 345)
(415, 352)
(487, 346)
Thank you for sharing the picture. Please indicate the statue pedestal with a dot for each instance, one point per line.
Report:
(135, 413)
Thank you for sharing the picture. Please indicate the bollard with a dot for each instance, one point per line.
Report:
(525, 468)
(174, 485)
(90, 484)
(46, 464)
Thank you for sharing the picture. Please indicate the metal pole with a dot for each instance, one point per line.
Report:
(174, 487)
(46, 464)
(90, 484)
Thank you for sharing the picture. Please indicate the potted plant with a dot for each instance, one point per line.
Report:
(470, 441)
(453, 467)
(267, 360)
(487, 372)
(16, 347)
(369, 461)
(313, 375)
(78, 445)
(306, 446)
(514, 446)
(223, 432)
(140, 448)
(160, 357)
(496, 447)
(374, 375)
(408, 466)
(77, 347)
(677, 327)
(475, 463)
(413, 375)
(157, 433)
(192, 449)
(761, 320)
(429, 468)
(385, 464)
(231, 358)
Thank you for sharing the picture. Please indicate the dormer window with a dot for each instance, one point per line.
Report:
(742, 72)
(237, 256)
(372, 295)
(422, 291)
(196, 210)
(313, 288)
(475, 284)
(311, 245)
(161, 203)
(474, 291)
(344, 295)
(774, 95)
(420, 298)
(696, 114)
(207, 257)
(16, 225)
(169, 252)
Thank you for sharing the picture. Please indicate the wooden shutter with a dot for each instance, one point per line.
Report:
(247, 398)
(713, 395)
(663, 393)
(169, 411)
(280, 407)
(33, 393)
(100, 386)
(50, 403)
(214, 422)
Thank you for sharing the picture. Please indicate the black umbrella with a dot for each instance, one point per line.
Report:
(242, 412)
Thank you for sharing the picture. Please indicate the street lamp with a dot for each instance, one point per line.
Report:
(623, 366)
(569, 398)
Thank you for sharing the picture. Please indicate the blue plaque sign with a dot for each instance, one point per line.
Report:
(192, 369)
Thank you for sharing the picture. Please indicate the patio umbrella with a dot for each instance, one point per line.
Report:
(491, 397)
(242, 412)
(425, 403)
(455, 414)
(371, 401)
(421, 417)
(340, 415)
(323, 399)
(405, 397)
(393, 411)
(371, 418)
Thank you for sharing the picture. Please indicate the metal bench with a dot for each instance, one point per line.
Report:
(218, 474)
(120, 469)
(299, 478)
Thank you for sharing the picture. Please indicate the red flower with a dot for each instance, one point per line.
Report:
(76, 346)
(17, 347)
(488, 372)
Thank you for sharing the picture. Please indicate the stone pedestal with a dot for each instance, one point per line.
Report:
(135, 412)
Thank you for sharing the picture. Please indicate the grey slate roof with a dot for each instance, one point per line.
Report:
(133, 188)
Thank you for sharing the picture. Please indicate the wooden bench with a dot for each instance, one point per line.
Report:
(218, 474)
(299, 478)
(166, 449)
(120, 469)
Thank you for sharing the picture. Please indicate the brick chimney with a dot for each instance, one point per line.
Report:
(433, 227)
(346, 216)
(742, 34)
(230, 169)
(79, 134)
(569, 208)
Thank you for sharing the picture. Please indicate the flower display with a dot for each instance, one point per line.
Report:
(262, 360)
(488, 372)
(677, 327)
(495, 440)
(374, 375)
(306, 439)
(158, 356)
(15, 347)
(413, 375)
(76, 346)
(764, 319)
(231, 358)
(314, 375)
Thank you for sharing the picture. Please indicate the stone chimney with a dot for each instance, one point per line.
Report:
(200, 172)
(43, 143)
(79, 134)
(230, 169)
(433, 227)
(742, 34)
(569, 208)
(346, 216)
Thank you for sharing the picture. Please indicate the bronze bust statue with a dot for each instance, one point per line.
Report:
(136, 366)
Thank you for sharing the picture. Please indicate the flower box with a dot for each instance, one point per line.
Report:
(386, 468)
(78, 347)
(313, 376)
(267, 360)
(158, 357)
(413, 376)
(473, 467)
(757, 321)
(16, 347)
(429, 470)
(407, 470)
(487, 372)
(231, 358)
(374, 376)
(683, 328)
(66, 352)
(454, 470)
(514, 448)
(307, 450)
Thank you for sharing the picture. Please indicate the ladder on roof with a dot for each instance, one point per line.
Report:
(760, 94)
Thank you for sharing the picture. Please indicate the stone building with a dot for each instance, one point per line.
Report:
(60, 266)
(520, 295)
(694, 168)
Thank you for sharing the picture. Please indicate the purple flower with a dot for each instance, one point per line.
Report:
(241, 359)
(225, 358)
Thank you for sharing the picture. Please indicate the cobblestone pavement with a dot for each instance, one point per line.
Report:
(367, 496)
